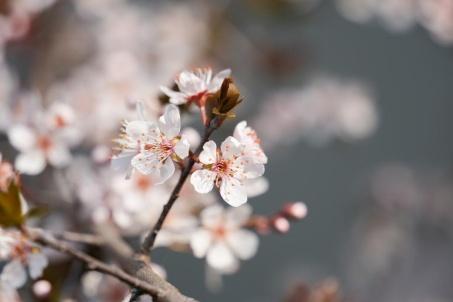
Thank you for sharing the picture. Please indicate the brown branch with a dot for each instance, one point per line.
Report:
(150, 238)
(79, 237)
(137, 273)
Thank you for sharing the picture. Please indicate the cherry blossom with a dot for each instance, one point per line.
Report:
(250, 141)
(194, 85)
(21, 255)
(151, 148)
(227, 168)
(222, 238)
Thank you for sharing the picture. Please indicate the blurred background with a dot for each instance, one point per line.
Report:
(352, 100)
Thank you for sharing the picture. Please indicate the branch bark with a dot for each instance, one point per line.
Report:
(137, 272)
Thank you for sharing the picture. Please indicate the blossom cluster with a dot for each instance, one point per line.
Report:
(401, 15)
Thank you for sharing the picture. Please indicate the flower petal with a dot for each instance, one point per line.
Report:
(170, 122)
(256, 186)
(213, 216)
(203, 180)
(32, 162)
(176, 98)
(21, 137)
(216, 82)
(233, 191)
(165, 171)
(122, 161)
(146, 163)
(14, 274)
(59, 155)
(37, 262)
(209, 153)
(200, 242)
(243, 243)
(137, 130)
(182, 148)
(230, 147)
(237, 217)
(221, 258)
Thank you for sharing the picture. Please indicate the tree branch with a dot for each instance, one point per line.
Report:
(150, 238)
(137, 274)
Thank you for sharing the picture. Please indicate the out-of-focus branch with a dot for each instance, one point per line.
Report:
(89, 239)
(137, 272)
(150, 238)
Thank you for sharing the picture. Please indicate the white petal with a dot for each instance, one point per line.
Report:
(239, 131)
(122, 161)
(14, 274)
(203, 180)
(237, 217)
(176, 98)
(182, 148)
(22, 138)
(217, 81)
(230, 147)
(136, 130)
(59, 155)
(170, 122)
(32, 162)
(213, 216)
(246, 168)
(37, 262)
(200, 242)
(253, 170)
(243, 243)
(146, 163)
(233, 191)
(165, 171)
(256, 186)
(221, 258)
(209, 153)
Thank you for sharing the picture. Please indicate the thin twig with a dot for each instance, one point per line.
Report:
(150, 238)
(93, 263)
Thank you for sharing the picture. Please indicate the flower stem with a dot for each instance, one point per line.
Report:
(150, 238)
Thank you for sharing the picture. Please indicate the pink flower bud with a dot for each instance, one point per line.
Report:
(296, 210)
(281, 224)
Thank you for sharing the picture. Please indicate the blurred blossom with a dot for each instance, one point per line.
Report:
(397, 15)
(45, 138)
(15, 21)
(324, 110)
(400, 15)
(437, 17)
(21, 255)
(408, 221)
(222, 238)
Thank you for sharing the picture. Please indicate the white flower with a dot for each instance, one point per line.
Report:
(150, 147)
(222, 238)
(37, 148)
(252, 144)
(22, 254)
(193, 85)
(228, 169)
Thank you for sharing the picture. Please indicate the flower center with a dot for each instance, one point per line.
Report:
(219, 232)
(143, 182)
(196, 98)
(163, 149)
(221, 167)
(44, 143)
(59, 121)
